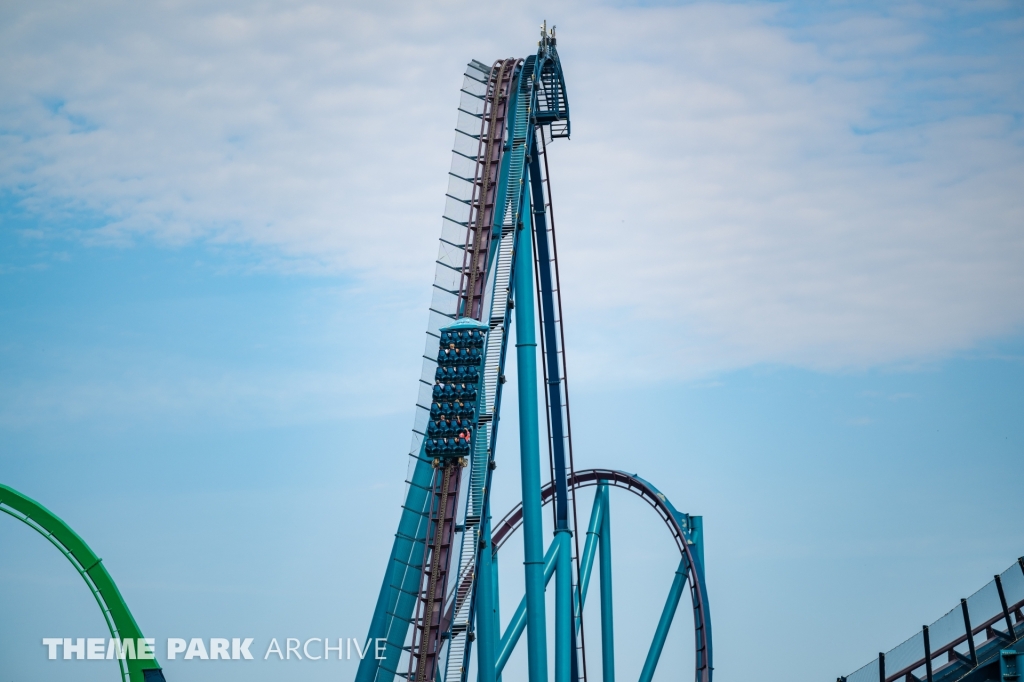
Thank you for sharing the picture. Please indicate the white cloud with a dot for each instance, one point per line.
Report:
(842, 193)
(743, 219)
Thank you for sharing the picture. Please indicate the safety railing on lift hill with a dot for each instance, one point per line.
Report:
(396, 601)
(967, 638)
(495, 312)
(444, 301)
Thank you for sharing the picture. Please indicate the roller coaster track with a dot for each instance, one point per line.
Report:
(685, 529)
(486, 195)
(498, 220)
(438, 593)
(485, 187)
(119, 619)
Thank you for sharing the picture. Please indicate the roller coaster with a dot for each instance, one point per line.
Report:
(437, 612)
(116, 614)
(497, 270)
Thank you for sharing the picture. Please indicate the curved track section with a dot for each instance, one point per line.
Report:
(685, 531)
(119, 619)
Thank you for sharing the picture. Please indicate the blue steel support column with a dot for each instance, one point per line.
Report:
(517, 624)
(607, 626)
(667, 614)
(529, 455)
(589, 550)
(486, 630)
(563, 608)
(497, 605)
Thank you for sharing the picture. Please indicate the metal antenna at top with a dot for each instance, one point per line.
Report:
(547, 37)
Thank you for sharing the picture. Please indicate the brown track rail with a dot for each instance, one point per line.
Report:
(437, 555)
(485, 189)
(432, 620)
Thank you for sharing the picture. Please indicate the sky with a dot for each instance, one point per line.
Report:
(791, 241)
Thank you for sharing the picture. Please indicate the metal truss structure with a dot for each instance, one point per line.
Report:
(497, 266)
(438, 604)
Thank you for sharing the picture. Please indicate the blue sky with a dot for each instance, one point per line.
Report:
(217, 228)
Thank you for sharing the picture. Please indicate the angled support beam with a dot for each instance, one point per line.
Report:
(518, 623)
(589, 552)
(665, 622)
(955, 655)
(992, 633)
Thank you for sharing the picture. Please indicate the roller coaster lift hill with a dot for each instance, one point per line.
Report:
(497, 267)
